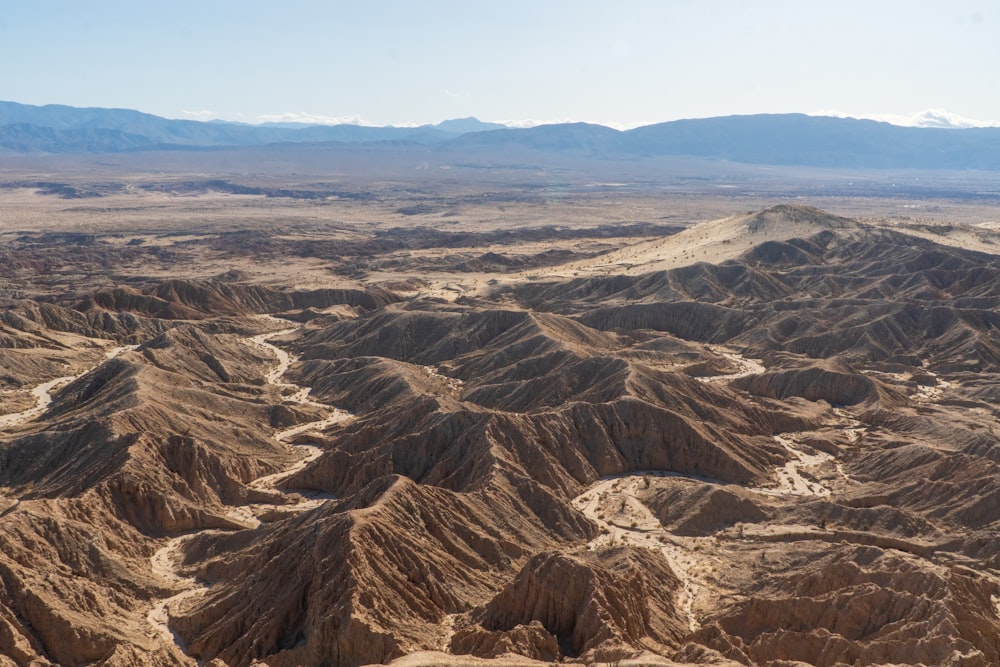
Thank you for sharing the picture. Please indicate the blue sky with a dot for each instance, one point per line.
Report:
(622, 63)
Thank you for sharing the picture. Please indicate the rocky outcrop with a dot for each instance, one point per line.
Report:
(690, 320)
(166, 445)
(861, 293)
(865, 606)
(584, 602)
(73, 577)
(531, 640)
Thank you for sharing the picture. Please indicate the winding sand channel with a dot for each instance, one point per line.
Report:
(43, 392)
(613, 504)
(163, 562)
(791, 481)
(744, 365)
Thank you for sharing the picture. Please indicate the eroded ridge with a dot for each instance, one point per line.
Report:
(164, 562)
(43, 392)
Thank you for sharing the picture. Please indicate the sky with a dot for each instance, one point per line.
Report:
(396, 62)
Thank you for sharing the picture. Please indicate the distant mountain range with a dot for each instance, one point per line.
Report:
(772, 139)
(56, 128)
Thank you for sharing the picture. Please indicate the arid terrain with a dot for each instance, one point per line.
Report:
(321, 417)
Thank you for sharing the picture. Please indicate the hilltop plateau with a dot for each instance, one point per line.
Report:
(309, 420)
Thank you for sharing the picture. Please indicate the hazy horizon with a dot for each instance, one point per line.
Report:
(520, 63)
(931, 118)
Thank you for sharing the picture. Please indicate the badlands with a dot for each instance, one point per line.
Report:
(494, 425)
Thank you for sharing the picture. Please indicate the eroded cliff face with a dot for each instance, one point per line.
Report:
(785, 458)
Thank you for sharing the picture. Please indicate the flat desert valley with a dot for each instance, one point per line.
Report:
(339, 413)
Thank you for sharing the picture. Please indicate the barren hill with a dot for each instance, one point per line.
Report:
(716, 241)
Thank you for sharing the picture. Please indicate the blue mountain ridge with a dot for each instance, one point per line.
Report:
(769, 139)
